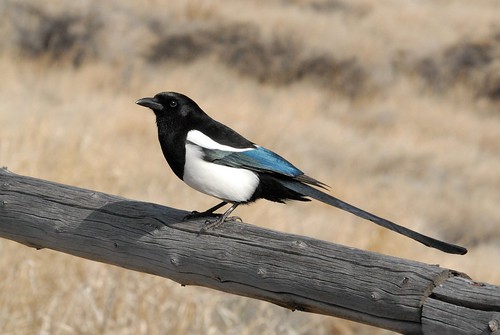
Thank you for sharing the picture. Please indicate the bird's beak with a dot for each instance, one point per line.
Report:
(150, 103)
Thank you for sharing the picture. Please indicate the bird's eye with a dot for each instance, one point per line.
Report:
(173, 103)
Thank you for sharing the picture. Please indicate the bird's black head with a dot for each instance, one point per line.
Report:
(169, 104)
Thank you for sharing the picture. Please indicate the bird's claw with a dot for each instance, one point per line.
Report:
(220, 220)
(212, 224)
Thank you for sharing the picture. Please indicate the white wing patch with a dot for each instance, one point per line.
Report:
(202, 140)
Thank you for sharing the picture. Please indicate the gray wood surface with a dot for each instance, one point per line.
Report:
(295, 272)
(461, 306)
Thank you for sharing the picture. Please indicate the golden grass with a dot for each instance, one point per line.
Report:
(428, 161)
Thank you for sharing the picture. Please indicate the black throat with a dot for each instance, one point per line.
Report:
(172, 142)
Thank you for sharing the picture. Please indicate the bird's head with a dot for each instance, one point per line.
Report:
(169, 104)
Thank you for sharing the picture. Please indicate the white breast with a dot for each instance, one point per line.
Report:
(223, 182)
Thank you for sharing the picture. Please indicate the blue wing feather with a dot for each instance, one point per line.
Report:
(259, 159)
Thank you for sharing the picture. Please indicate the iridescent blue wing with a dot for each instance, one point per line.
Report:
(258, 159)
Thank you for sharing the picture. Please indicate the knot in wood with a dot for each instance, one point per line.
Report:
(222, 255)
(375, 296)
(299, 244)
(494, 325)
(175, 260)
(262, 272)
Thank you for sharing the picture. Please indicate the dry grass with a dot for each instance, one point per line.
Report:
(422, 150)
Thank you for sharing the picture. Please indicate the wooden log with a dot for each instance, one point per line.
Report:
(295, 272)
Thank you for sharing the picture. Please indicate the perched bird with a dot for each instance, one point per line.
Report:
(214, 159)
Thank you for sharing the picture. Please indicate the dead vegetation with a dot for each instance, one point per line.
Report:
(60, 36)
(474, 64)
(276, 59)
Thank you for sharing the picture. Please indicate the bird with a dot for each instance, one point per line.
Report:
(214, 159)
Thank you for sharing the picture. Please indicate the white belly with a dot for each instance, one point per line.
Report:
(223, 182)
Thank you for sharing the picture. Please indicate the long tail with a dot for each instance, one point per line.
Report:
(330, 200)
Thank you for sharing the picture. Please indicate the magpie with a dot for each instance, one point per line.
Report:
(214, 159)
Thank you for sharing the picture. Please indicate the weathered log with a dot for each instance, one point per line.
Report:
(295, 272)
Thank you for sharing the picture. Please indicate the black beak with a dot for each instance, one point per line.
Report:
(150, 103)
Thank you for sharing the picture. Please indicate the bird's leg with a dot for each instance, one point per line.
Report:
(208, 212)
(221, 219)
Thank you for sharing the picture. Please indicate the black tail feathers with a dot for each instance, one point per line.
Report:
(301, 188)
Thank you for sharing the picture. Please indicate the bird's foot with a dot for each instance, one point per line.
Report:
(212, 224)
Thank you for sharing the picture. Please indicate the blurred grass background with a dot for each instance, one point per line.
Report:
(395, 104)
